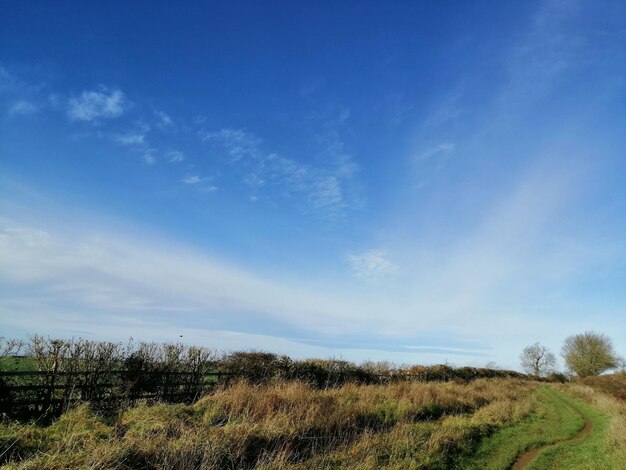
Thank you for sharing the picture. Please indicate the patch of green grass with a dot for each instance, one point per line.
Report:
(553, 421)
(16, 364)
(589, 453)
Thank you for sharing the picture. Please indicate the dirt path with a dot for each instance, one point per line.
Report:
(527, 457)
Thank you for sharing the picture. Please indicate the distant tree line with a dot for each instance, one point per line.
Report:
(264, 366)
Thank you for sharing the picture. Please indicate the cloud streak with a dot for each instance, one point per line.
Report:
(116, 286)
(120, 275)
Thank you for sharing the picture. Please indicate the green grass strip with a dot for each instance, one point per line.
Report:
(553, 421)
(588, 453)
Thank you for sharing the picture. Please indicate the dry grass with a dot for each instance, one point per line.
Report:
(430, 444)
(283, 425)
(612, 384)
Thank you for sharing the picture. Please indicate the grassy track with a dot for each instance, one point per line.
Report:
(588, 453)
(559, 417)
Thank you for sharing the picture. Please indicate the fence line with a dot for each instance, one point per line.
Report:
(25, 394)
(120, 372)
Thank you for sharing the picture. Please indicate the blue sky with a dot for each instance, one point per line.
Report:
(416, 181)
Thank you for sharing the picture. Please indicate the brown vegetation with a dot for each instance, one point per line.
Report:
(280, 425)
(612, 384)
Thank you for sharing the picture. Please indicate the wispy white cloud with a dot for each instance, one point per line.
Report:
(97, 104)
(193, 179)
(199, 120)
(445, 111)
(327, 193)
(319, 189)
(15, 84)
(253, 180)
(23, 108)
(547, 47)
(201, 183)
(130, 139)
(237, 142)
(116, 274)
(175, 156)
(371, 264)
(330, 137)
(163, 120)
(56, 102)
(149, 156)
(437, 151)
(541, 55)
(398, 108)
(322, 189)
(25, 98)
(7, 80)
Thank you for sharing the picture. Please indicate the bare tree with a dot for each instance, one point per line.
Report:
(589, 353)
(537, 360)
(10, 347)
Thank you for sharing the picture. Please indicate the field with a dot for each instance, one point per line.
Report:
(80, 404)
(485, 423)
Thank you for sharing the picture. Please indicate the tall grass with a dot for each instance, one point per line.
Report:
(612, 384)
(280, 425)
